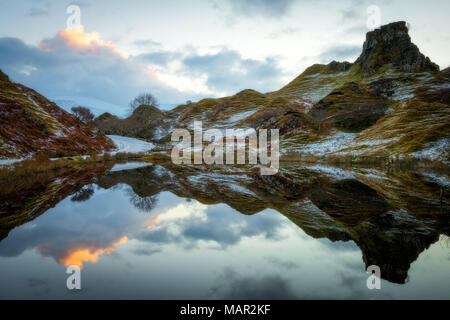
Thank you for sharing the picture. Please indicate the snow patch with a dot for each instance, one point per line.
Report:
(130, 145)
(240, 116)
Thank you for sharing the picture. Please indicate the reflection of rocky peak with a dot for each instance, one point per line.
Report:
(391, 44)
(323, 207)
(358, 208)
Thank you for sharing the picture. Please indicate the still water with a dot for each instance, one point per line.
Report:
(141, 231)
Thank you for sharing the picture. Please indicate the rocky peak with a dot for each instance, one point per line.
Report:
(391, 43)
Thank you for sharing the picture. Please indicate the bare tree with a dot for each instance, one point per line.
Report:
(83, 114)
(145, 98)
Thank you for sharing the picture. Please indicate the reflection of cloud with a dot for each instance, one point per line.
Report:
(78, 232)
(288, 265)
(36, 282)
(38, 286)
(146, 251)
(76, 256)
(150, 223)
(190, 222)
(352, 282)
(231, 285)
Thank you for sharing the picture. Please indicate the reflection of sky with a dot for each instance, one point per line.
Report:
(184, 249)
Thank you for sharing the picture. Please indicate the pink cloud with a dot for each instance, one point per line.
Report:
(81, 41)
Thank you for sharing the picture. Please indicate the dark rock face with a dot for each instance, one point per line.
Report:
(336, 66)
(350, 107)
(383, 87)
(391, 44)
(349, 201)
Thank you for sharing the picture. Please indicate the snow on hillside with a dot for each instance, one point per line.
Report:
(437, 150)
(131, 145)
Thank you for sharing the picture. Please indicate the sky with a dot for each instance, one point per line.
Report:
(188, 50)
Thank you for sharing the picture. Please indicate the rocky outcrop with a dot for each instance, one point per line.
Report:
(350, 107)
(392, 44)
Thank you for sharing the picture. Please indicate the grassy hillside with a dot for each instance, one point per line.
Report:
(29, 124)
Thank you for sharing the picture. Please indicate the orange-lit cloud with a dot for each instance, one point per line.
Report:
(78, 39)
(77, 256)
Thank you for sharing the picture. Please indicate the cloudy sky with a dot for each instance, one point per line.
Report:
(187, 50)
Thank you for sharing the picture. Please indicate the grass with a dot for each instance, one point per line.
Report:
(25, 113)
(414, 124)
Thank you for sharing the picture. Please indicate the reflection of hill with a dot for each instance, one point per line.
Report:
(391, 216)
(24, 199)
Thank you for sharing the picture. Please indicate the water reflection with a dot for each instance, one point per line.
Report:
(159, 232)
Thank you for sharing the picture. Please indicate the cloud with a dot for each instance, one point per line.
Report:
(266, 8)
(350, 14)
(80, 41)
(41, 9)
(35, 12)
(224, 72)
(284, 32)
(228, 71)
(75, 62)
(340, 53)
(147, 43)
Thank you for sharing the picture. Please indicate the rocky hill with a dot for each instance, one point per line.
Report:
(30, 124)
(145, 122)
(391, 44)
(391, 102)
